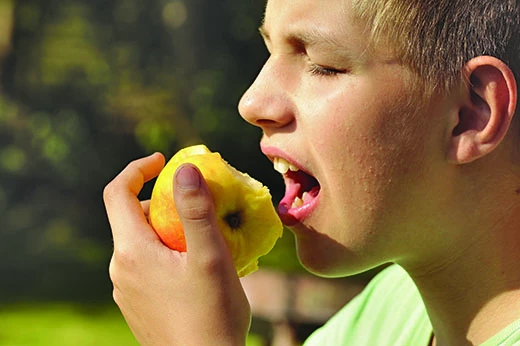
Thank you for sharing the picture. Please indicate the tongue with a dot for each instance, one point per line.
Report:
(301, 189)
(299, 182)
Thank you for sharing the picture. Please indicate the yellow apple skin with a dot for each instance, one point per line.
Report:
(245, 213)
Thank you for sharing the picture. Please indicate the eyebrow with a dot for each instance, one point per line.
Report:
(307, 38)
(263, 31)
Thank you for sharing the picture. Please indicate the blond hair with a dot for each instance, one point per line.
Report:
(435, 38)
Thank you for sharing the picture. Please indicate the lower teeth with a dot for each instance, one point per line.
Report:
(298, 202)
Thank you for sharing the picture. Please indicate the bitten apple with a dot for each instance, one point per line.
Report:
(244, 208)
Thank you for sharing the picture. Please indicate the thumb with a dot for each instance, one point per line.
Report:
(196, 211)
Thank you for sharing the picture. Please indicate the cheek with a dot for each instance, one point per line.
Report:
(377, 149)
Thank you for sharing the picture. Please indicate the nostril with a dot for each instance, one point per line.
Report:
(266, 123)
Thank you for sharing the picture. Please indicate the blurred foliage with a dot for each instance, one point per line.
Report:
(87, 86)
(63, 325)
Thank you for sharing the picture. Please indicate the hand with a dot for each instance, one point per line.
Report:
(167, 297)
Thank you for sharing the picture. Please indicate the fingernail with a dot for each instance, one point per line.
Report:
(187, 177)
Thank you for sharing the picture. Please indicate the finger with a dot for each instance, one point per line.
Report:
(196, 211)
(122, 205)
(145, 205)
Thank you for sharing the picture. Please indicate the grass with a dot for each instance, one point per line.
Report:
(63, 324)
(67, 324)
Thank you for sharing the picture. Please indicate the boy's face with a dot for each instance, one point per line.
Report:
(341, 114)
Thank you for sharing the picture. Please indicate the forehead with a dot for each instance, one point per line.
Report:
(320, 22)
(295, 13)
(326, 26)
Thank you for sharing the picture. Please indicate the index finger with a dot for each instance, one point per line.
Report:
(120, 196)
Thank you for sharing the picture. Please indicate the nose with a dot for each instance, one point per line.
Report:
(267, 102)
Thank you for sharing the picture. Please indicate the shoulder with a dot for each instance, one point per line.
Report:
(389, 311)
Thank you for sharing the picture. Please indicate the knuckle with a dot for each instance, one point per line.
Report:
(211, 263)
(112, 270)
(116, 296)
(122, 259)
(194, 204)
(121, 181)
(196, 212)
(133, 165)
(108, 192)
(112, 190)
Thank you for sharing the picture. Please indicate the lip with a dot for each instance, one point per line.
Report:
(288, 215)
(273, 152)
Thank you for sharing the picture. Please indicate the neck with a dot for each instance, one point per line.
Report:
(474, 293)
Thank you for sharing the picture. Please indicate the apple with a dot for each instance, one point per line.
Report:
(245, 212)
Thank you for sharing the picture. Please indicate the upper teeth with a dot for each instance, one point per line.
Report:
(282, 166)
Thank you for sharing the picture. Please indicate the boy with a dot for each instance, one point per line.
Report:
(401, 114)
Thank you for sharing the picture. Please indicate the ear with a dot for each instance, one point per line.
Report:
(486, 112)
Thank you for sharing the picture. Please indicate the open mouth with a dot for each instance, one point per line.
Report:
(301, 192)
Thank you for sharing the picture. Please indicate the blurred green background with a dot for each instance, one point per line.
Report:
(85, 87)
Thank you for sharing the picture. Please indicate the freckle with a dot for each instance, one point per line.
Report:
(518, 191)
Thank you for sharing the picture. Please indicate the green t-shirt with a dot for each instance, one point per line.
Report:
(390, 312)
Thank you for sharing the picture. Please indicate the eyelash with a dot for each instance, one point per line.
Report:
(318, 70)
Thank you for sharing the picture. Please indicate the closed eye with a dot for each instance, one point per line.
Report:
(318, 70)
